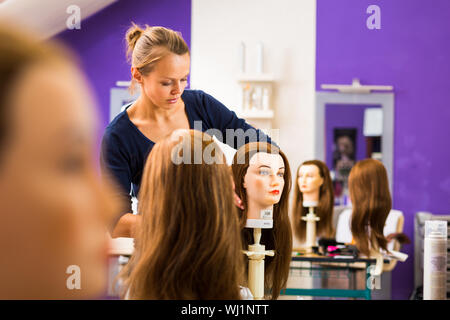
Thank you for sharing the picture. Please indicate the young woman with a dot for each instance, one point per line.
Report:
(314, 176)
(160, 63)
(262, 179)
(54, 207)
(188, 240)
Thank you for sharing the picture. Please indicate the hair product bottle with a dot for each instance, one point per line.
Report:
(435, 261)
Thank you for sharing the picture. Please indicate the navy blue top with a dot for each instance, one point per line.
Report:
(125, 148)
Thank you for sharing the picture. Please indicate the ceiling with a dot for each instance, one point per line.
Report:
(47, 17)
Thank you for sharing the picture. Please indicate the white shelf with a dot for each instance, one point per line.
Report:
(355, 87)
(256, 114)
(263, 77)
(123, 83)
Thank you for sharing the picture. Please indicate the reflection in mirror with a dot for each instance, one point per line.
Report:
(352, 133)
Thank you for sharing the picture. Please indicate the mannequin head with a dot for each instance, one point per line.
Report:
(309, 181)
(188, 243)
(313, 183)
(54, 207)
(258, 169)
(263, 182)
(371, 201)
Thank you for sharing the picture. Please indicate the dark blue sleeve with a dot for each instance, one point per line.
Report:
(235, 131)
(114, 163)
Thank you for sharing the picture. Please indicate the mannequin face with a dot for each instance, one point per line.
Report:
(309, 180)
(54, 207)
(264, 180)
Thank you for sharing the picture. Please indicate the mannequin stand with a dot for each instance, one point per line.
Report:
(256, 253)
(311, 220)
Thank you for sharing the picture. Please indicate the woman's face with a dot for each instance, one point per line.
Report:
(55, 209)
(165, 84)
(345, 145)
(309, 179)
(264, 180)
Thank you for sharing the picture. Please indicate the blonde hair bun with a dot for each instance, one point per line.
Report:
(132, 36)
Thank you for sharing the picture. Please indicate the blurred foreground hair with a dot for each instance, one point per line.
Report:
(20, 50)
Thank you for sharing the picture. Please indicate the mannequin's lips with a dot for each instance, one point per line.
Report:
(275, 192)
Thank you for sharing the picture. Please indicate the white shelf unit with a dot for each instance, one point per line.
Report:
(255, 98)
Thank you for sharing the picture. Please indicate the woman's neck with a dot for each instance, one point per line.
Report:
(311, 196)
(144, 109)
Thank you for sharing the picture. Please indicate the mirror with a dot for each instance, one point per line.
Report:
(351, 127)
(353, 132)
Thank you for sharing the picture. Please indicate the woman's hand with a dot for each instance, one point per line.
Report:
(126, 226)
(238, 201)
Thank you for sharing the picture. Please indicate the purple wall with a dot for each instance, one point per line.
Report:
(410, 52)
(345, 116)
(101, 46)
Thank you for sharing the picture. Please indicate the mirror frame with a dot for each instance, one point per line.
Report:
(385, 100)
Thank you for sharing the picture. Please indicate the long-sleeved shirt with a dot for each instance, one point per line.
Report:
(125, 148)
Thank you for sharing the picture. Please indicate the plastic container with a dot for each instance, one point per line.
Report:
(435, 260)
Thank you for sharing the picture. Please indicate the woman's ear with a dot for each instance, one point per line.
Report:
(136, 74)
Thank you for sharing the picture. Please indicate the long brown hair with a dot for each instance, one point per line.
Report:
(280, 237)
(188, 243)
(325, 208)
(371, 201)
